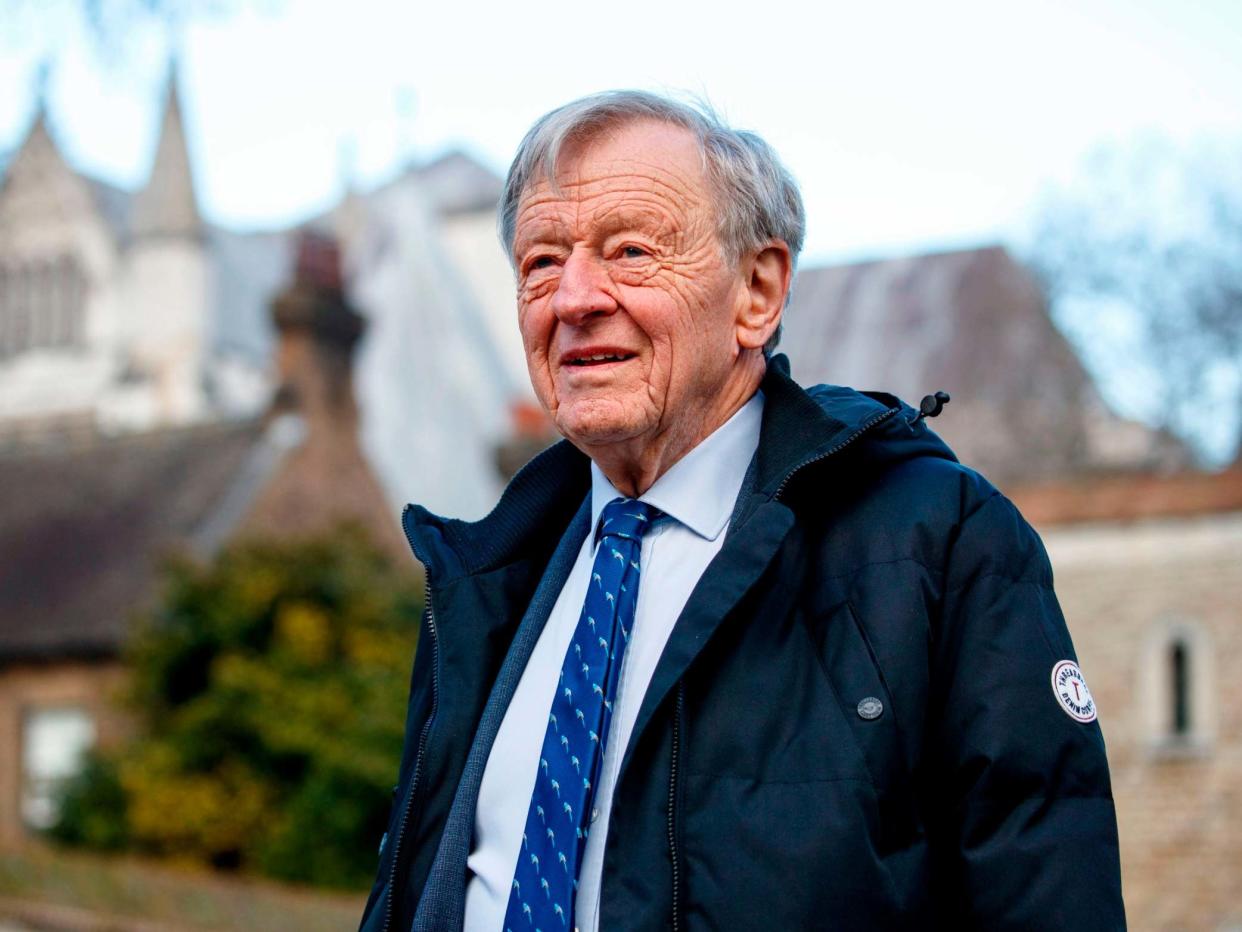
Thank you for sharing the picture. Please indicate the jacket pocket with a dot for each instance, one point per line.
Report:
(787, 856)
(869, 706)
(760, 708)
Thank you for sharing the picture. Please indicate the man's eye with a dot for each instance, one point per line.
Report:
(539, 262)
(633, 252)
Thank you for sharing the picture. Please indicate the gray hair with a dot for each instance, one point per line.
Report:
(757, 196)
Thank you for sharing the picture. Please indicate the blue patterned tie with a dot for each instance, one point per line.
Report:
(559, 819)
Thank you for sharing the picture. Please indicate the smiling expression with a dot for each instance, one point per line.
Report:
(626, 304)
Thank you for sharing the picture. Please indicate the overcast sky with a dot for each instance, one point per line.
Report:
(909, 125)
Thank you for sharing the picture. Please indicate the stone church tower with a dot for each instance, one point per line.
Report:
(56, 322)
(105, 296)
(167, 282)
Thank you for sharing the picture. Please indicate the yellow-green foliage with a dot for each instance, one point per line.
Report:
(270, 686)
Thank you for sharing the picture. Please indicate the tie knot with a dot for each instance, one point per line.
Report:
(627, 517)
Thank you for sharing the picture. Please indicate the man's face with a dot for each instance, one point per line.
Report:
(627, 307)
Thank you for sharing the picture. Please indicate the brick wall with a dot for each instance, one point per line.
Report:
(24, 687)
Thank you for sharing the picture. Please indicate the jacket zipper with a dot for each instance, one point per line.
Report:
(672, 804)
(862, 429)
(418, 760)
(681, 690)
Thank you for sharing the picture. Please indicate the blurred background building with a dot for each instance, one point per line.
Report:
(170, 383)
(125, 311)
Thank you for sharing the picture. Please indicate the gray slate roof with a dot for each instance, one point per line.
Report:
(458, 183)
(83, 530)
(165, 205)
(973, 323)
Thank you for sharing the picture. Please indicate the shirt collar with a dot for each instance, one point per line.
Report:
(700, 489)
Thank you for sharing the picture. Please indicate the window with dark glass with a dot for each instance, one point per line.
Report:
(41, 305)
(5, 302)
(1179, 692)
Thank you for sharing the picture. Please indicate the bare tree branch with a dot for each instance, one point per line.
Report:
(1159, 230)
(112, 26)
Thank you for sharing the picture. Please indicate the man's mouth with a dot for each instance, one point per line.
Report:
(582, 360)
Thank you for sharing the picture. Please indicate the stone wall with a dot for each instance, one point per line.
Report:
(1129, 592)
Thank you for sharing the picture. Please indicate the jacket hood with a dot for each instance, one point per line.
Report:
(801, 429)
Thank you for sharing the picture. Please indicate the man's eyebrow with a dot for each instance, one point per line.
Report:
(535, 232)
(611, 222)
(621, 219)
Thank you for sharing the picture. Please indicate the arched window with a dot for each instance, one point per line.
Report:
(55, 327)
(62, 302)
(20, 319)
(6, 283)
(1177, 688)
(75, 303)
(41, 305)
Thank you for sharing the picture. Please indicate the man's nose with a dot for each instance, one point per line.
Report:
(584, 288)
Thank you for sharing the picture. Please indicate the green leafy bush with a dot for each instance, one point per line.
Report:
(269, 691)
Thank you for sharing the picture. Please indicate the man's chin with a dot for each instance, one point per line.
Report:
(595, 428)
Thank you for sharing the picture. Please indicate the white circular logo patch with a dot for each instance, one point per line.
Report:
(1071, 691)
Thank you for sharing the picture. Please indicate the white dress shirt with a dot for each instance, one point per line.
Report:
(697, 496)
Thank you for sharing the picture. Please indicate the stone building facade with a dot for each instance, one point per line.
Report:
(1149, 575)
(107, 309)
(125, 311)
(85, 524)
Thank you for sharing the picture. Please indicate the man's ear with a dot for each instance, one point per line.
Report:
(768, 274)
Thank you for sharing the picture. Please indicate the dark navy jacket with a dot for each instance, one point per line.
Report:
(863, 562)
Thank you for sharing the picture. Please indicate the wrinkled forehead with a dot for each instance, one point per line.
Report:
(634, 167)
(645, 145)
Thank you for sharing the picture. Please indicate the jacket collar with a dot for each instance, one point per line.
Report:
(700, 489)
(798, 428)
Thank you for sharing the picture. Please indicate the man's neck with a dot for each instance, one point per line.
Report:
(634, 466)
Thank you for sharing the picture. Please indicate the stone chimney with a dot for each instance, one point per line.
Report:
(322, 476)
(318, 331)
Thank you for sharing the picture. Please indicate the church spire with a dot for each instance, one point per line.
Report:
(167, 206)
(39, 135)
(38, 172)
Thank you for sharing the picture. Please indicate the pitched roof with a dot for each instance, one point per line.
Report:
(38, 167)
(85, 521)
(973, 323)
(166, 206)
(82, 530)
(459, 183)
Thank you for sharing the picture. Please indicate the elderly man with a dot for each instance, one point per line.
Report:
(736, 654)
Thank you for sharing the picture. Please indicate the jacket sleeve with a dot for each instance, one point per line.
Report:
(1024, 832)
